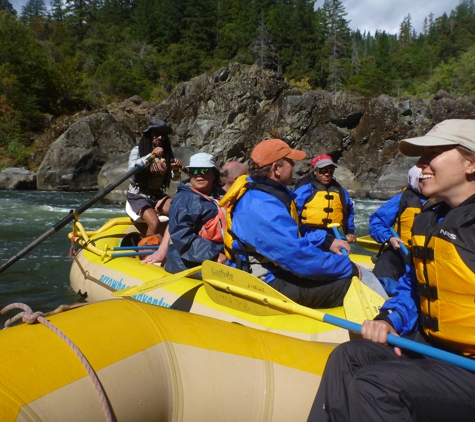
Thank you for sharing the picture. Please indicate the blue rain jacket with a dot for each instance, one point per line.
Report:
(262, 221)
(188, 212)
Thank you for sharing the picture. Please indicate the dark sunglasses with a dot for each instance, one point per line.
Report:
(196, 172)
(329, 171)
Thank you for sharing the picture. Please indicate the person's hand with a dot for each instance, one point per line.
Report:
(351, 238)
(378, 331)
(339, 244)
(221, 259)
(176, 164)
(159, 256)
(396, 242)
(158, 151)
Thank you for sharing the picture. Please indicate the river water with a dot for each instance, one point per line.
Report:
(41, 278)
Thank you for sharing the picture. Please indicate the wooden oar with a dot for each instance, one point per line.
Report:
(73, 214)
(241, 284)
(155, 284)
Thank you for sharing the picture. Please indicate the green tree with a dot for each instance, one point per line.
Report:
(338, 43)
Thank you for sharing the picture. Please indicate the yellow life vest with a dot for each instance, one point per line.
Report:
(240, 186)
(405, 218)
(444, 262)
(325, 207)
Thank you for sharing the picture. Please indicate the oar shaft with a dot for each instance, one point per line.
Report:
(115, 255)
(74, 213)
(403, 247)
(134, 248)
(407, 344)
(337, 235)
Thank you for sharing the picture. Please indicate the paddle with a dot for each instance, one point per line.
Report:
(403, 247)
(155, 284)
(73, 214)
(243, 285)
(335, 226)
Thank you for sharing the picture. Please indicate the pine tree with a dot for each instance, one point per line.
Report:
(57, 10)
(338, 42)
(33, 9)
(264, 51)
(6, 5)
(405, 31)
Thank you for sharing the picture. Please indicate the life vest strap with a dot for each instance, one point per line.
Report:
(428, 291)
(329, 197)
(422, 252)
(428, 322)
(328, 209)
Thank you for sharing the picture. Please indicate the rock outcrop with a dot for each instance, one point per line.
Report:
(76, 157)
(227, 112)
(17, 178)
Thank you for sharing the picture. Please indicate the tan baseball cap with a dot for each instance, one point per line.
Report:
(449, 132)
(271, 150)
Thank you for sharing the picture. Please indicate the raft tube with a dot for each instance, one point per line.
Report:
(155, 364)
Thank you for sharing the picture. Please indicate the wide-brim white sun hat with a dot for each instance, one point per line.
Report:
(202, 160)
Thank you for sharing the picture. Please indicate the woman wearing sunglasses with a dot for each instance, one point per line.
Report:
(321, 201)
(146, 198)
(196, 222)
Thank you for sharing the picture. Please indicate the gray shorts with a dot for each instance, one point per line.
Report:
(140, 203)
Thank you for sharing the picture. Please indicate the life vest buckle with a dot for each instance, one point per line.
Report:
(428, 322)
(329, 197)
(428, 291)
(422, 252)
(328, 210)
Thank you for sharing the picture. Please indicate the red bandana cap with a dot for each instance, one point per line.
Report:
(322, 160)
(272, 150)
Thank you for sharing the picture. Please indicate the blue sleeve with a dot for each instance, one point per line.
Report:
(350, 224)
(383, 219)
(301, 196)
(403, 309)
(274, 234)
(188, 213)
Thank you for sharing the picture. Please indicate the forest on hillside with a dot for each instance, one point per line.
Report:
(89, 53)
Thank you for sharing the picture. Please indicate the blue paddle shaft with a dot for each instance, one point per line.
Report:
(134, 248)
(403, 247)
(407, 344)
(337, 235)
(115, 255)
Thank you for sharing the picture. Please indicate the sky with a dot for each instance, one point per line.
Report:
(371, 15)
(387, 15)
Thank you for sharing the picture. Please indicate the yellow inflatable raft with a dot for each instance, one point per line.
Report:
(154, 364)
(97, 272)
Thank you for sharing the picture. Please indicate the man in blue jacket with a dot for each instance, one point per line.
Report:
(321, 200)
(263, 233)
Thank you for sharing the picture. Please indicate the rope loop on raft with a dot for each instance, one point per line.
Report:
(30, 317)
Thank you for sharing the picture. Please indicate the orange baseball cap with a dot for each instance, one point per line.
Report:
(271, 150)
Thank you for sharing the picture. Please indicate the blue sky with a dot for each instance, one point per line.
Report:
(371, 15)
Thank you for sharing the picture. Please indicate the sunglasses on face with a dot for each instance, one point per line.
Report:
(329, 171)
(196, 172)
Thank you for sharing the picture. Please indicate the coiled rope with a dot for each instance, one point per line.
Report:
(30, 317)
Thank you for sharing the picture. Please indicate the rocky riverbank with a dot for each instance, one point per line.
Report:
(227, 112)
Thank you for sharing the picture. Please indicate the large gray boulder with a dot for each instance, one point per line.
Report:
(393, 179)
(17, 178)
(74, 160)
